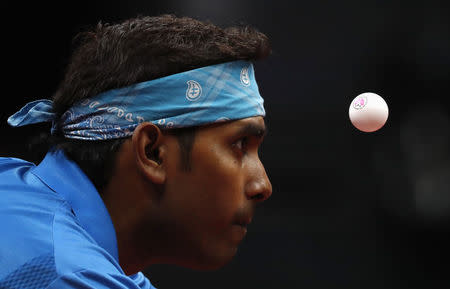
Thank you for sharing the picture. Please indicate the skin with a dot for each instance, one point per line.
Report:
(197, 218)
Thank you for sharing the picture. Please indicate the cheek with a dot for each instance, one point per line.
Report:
(201, 205)
(222, 175)
(219, 191)
(214, 189)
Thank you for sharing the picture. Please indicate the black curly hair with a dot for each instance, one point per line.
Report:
(135, 50)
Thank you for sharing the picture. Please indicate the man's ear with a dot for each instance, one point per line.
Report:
(148, 150)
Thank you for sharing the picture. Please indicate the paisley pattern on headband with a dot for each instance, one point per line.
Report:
(221, 92)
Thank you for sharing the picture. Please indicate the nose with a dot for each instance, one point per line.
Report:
(258, 187)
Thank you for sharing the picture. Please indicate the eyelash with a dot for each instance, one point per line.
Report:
(243, 144)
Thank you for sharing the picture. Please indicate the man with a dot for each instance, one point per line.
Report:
(153, 158)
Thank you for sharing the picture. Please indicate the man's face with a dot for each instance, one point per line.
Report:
(208, 207)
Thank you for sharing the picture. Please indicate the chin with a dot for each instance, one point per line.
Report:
(212, 262)
(208, 267)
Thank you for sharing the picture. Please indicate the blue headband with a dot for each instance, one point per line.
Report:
(221, 92)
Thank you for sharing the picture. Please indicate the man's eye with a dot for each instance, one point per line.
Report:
(241, 144)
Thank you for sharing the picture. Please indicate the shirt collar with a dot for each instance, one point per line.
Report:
(65, 178)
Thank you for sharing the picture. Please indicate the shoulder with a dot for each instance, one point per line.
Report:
(26, 217)
(75, 249)
(12, 160)
(27, 209)
(81, 263)
(44, 243)
(9, 166)
(24, 196)
(100, 280)
(56, 252)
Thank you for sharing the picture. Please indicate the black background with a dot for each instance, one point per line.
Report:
(349, 209)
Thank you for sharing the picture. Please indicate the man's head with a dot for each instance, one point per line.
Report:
(140, 49)
(180, 196)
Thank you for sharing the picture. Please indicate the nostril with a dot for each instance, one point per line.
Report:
(258, 197)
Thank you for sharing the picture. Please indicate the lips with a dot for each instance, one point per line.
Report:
(239, 226)
(243, 221)
(238, 232)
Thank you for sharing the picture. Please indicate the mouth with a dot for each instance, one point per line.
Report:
(242, 219)
(238, 232)
(243, 222)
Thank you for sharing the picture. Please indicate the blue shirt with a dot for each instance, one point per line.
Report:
(55, 231)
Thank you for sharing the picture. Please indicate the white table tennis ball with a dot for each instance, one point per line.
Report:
(368, 112)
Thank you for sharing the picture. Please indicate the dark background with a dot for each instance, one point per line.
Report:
(349, 209)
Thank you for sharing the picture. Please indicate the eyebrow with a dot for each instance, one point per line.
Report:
(252, 129)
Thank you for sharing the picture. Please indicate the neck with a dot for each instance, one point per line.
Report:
(124, 215)
(132, 203)
(127, 204)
